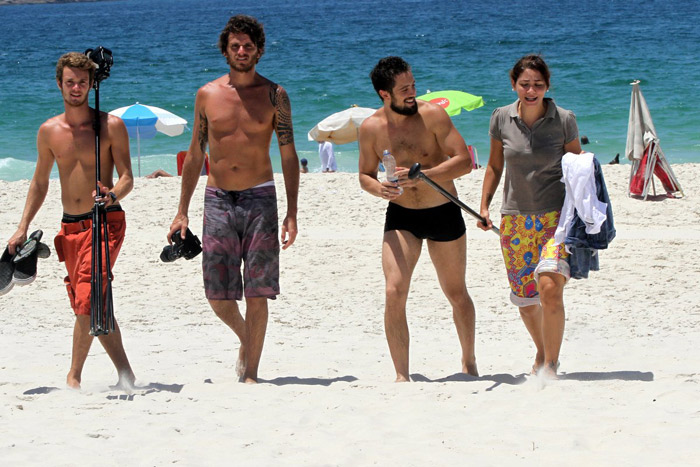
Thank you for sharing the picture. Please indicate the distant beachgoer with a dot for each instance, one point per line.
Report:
(71, 136)
(235, 116)
(532, 201)
(158, 173)
(584, 139)
(304, 166)
(417, 131)
(327, 156)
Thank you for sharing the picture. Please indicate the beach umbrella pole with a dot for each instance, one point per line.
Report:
(138, 146)
(415, 172)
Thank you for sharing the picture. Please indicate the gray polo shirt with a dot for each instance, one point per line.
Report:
(533, 157)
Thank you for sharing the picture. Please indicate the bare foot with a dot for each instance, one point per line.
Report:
(470, 368)
(241, 364)
(539, 363)
(126, 381)
(402, 379)
(548, 371)
(73, 383)
(249, 380)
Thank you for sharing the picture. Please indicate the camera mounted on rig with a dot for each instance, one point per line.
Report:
(187, 248)
(103, 60)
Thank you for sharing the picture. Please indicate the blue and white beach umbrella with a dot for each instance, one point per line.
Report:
(144, 121)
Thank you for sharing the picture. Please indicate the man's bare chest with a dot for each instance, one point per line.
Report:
(226, 122)
(413, 143)
(74, 145)
(250, 111)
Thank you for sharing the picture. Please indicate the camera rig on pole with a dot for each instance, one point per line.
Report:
(101, 304)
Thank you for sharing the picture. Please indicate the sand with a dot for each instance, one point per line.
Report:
(629, 391)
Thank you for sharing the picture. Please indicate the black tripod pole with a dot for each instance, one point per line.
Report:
(101, 305)
(415, 172)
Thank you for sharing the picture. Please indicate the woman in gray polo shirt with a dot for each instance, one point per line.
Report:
(529, 138)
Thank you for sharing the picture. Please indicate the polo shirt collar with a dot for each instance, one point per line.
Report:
(549, 113)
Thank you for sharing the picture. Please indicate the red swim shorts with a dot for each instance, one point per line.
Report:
(74, 246)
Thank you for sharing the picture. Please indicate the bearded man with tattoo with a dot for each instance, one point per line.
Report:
(235, 116)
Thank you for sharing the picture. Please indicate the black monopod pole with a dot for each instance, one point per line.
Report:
(415, 172)
(101, 305)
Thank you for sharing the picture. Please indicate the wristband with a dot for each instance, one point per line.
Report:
(112, 196)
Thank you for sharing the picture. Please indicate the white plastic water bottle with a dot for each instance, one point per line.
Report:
(390, 167)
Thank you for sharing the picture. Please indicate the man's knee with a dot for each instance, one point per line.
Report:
(223, 307)
(396, 291)
(457, 295)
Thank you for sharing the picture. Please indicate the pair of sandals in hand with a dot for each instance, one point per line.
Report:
(20, 268)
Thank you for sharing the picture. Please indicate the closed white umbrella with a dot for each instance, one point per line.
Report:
(640, 128)
(644, 150)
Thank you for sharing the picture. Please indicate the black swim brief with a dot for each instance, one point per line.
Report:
(442, 223)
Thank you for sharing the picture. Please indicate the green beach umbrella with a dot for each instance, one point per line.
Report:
(453, 101)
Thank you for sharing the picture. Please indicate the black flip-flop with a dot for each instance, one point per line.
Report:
(26, 258)
(7, 269)
(43, 250)
(30, 245)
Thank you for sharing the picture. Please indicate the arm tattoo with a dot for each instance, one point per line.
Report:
(283, 115)
(273, 94)
(203, 135)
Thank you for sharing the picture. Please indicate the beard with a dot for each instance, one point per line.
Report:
(406, 109)
(242, 68)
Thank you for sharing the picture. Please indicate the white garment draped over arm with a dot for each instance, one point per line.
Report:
(579, 179)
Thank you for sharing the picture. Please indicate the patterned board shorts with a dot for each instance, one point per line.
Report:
(527, 244)
(240, 227)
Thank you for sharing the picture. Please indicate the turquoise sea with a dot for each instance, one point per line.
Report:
(321, 51)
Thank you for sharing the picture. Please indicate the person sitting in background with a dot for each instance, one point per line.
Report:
(304, 166)
(180, 161)
(158, 173)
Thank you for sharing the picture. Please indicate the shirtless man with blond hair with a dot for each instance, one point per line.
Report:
(69, 141)
(235, 116)
(416, 131)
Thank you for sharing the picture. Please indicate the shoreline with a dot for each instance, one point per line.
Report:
(167, 162)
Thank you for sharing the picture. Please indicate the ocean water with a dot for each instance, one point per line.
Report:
(322, 51)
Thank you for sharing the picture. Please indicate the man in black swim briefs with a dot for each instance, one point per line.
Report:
(442, 223)
(417, 131)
